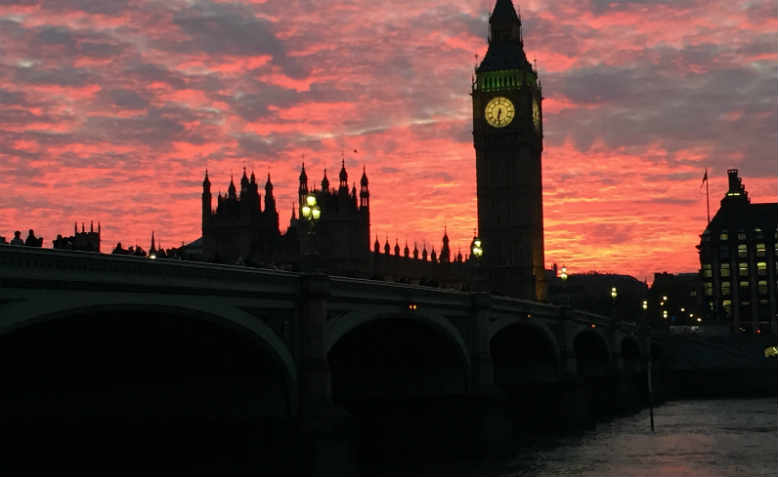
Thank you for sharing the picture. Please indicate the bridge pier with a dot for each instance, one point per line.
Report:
(327, 432)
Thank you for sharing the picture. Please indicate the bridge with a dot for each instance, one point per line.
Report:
(301, 354)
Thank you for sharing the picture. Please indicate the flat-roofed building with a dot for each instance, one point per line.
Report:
(738, 262)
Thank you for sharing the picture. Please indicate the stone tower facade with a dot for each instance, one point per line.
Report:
(508, 140)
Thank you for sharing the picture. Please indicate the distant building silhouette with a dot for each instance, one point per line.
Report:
(738, 261)
(83, 241)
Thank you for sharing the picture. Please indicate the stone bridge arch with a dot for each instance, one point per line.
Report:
(426, 335)
(30, 312)
(592, 352)
(538, 328)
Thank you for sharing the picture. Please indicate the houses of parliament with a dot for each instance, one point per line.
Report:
(508, 141)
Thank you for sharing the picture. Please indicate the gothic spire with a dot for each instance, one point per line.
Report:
(206, 182)
(506, 46)
(325, 183)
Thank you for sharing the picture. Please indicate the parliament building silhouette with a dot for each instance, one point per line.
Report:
(508, 141)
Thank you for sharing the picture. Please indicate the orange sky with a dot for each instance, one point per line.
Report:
(111, 111)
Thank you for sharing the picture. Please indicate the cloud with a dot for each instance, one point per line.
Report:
(128, 101)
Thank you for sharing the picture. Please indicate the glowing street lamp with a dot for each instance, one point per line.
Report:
(563, 275)
(645, 305)
(477, 249)
(664, 314)
(614, 293)
(310, 209)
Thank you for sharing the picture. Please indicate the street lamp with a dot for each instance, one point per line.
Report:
(311, 213)
(614, 293)
(563, 275)
(645, 305)
(477, 248)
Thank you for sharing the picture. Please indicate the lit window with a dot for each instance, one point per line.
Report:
(727, 305)
(724, 269)
(762, 287)
(707, 272)
(742, 251)
(761, 250)
(742, 269)
(724, 235)
(725, 289)
(758, 233)
(744, 285)
(708, 289)
(761, 268)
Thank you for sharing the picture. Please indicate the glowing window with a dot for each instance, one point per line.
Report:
(762, 285)
(745, 284)
(725, 289)
(727, 305)
(761, 268)
(724, 269)
(707, 272)
(708, 289)
(724, 235)
(742, 268)
(761, 250)
(742, 250)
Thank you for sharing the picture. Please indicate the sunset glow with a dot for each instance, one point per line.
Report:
(111, 110)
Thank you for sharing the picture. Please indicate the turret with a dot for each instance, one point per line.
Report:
(343, 178)
(244, 184)
(406, 251)
(376, 246)
(206, 202)
(231, 190)
(303, 189)
(364, 194)
(445, 251)
(325, 183)
(396, 248)
(737, 191)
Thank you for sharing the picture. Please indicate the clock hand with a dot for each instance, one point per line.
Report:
(499, 113)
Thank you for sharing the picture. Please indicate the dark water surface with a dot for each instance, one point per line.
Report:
(729, 437)
(726, 437)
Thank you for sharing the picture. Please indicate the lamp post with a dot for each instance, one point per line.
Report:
(476, 253)
(614, 295)
(311, 212)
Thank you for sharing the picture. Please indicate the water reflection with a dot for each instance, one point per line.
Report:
(692, 438)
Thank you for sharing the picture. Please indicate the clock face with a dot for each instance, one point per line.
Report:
(536, 114)
(499, 112)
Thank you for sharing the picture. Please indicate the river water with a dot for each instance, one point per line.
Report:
(724, 437)
(727, 437)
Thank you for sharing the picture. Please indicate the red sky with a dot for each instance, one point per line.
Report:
(110, 111)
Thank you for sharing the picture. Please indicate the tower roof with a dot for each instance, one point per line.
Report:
(206, 181)
(325, 183)
(506, 49)
(303, 175)
(343, 174)
(268, 184)
(363, 181)
(504, 13)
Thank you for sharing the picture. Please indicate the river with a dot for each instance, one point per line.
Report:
(726, 437)
(717, 437)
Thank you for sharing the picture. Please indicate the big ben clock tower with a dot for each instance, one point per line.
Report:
(508, 140)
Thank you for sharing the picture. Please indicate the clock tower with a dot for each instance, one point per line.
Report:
(508, 140)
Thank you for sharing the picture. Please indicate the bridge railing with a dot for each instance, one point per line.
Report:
(18, 264)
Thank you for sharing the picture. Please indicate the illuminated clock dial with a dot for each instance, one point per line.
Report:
(499, 112)
(536, 114)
